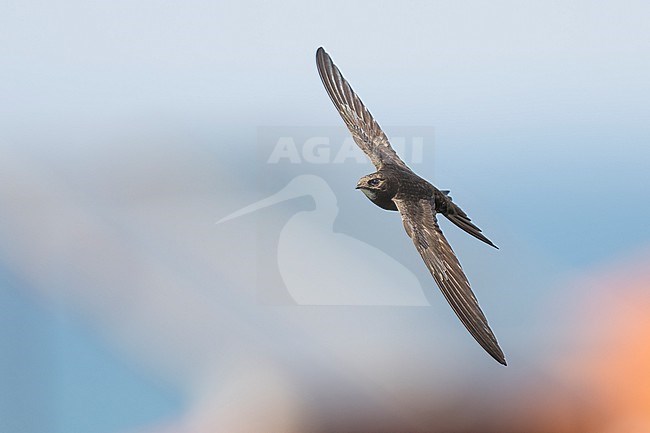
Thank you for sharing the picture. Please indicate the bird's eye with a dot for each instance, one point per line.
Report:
(374, 182)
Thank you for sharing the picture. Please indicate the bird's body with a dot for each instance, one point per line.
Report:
(394, 181)
(394, 186)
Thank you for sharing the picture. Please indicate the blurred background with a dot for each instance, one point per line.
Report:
(127, 129)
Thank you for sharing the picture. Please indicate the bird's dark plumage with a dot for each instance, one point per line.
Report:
(395, 187)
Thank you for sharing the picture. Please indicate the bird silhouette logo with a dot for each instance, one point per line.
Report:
(321, 267)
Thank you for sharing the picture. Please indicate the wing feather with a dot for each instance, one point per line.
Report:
(421, 225)
(363, 127)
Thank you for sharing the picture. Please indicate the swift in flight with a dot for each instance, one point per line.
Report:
(395, 187)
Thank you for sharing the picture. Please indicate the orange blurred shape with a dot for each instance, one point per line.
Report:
(609, 359)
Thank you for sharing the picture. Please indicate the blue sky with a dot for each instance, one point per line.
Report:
(141, 119)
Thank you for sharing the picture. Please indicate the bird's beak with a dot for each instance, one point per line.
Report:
(303, 185)
(283, 195)
(359, 186)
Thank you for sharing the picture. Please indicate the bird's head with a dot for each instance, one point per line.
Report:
(373, 184)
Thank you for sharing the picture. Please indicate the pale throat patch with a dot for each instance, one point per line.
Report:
(370, 194)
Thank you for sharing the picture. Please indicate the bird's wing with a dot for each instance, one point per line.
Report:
(421, 225)
(365, 130)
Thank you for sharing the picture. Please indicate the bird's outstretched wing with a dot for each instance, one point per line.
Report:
(421, 225)
(365, 130)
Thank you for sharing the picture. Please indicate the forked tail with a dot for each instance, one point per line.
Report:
(456, 215)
